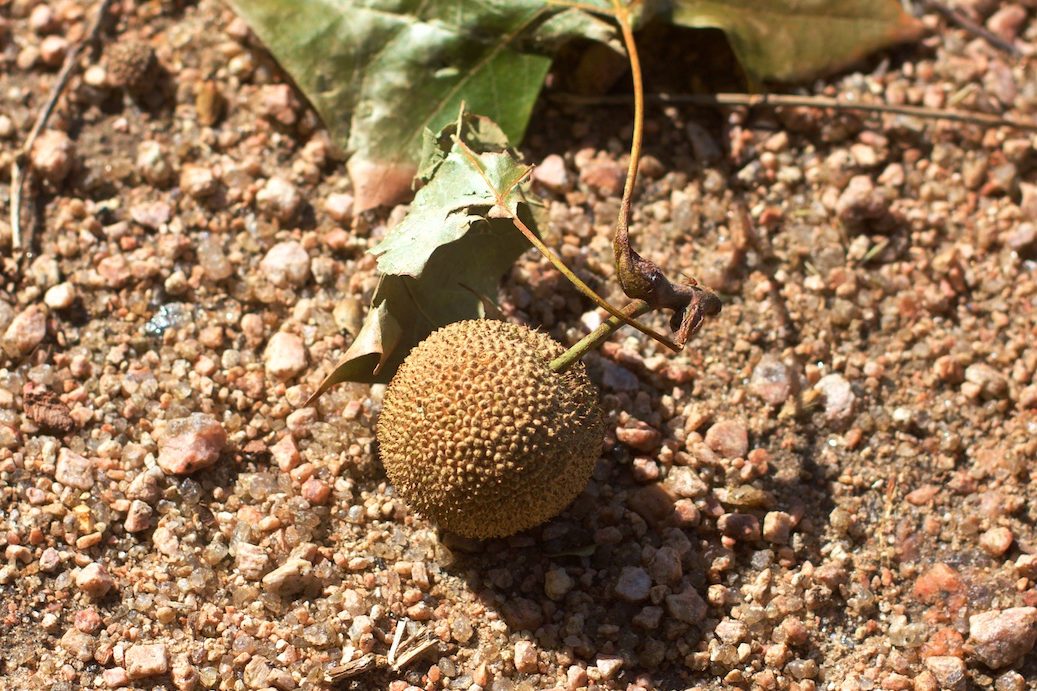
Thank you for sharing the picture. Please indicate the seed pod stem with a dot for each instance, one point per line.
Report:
(595, 338)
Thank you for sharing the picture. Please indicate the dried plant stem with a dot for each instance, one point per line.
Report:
(972, 27)
(623, 19)
(556, 261)
(67, 69)
(724, 100)
(595, 338)
(641, 278)
(401, 654)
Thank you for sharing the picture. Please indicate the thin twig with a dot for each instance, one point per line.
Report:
(67, 69)
(414, 649)
(641, 278)
(595, 338)
(623, 19)
(401, 654)
(972, 27)
(354, 668)
(555, 260)
(725, 100)
(401, 625)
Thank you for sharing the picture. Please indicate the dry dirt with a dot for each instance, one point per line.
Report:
(832, 488)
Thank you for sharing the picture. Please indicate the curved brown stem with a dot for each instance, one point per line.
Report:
(640, 278)
(556, 261)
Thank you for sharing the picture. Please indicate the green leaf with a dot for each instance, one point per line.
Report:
(790, 40)
(380, 72)
(442, 260)
(445, 209)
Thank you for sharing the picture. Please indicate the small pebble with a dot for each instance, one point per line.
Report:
(197, 181)
(686, 606)
(285, 355)
(191, 444)
(339, 206)
(1007, 21)
(50, 560)
(861, 204)
(776, 527)
(551, 173)
(53, 155)
(771, 380)
(557, 583)
(526, 657)
(606, 178)
(634, 584)
(739, 526)
(988, 382)
(949, 671)
(252, 561)
(286, 264)
(996, 541)
(152, 164)
(52, 50)
(608, 666)
(839, 397)
(279, 199)
(1000, 638)
(729, 438)
(315, 491)
(25, 332)
(87, 620)
(115, 678)
(59, 297)
(78, 644)
(144, 661)
(74, 470)
(685, 482)
(289, 578)
(285, 453)
(639, 436)
(42, 19)
(138, 517)
(94, 580)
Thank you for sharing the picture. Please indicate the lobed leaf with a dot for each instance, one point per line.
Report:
(381, 72)
(791, 40)
(442, 260)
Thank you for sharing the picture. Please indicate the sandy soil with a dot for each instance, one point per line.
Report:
(831, 489)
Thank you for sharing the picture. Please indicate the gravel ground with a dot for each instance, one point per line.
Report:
(831, 489)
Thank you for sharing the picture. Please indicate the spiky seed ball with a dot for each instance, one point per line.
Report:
(481, 437)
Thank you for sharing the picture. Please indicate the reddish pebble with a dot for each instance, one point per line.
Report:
(53, 155)
(639, 436)
(285, 453)
(286, 264)
(115, 678)
(315, 491)
(526, 657)
(25, 332)
(192, 443)
(606, 178)
(147, 661)
(999, 638)
(939, 580)
(339, 206)
(996, 541)
(551, 173)
(923, 495)
(285, 355)
(728, 438)
(87, 620)
(94, 580)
